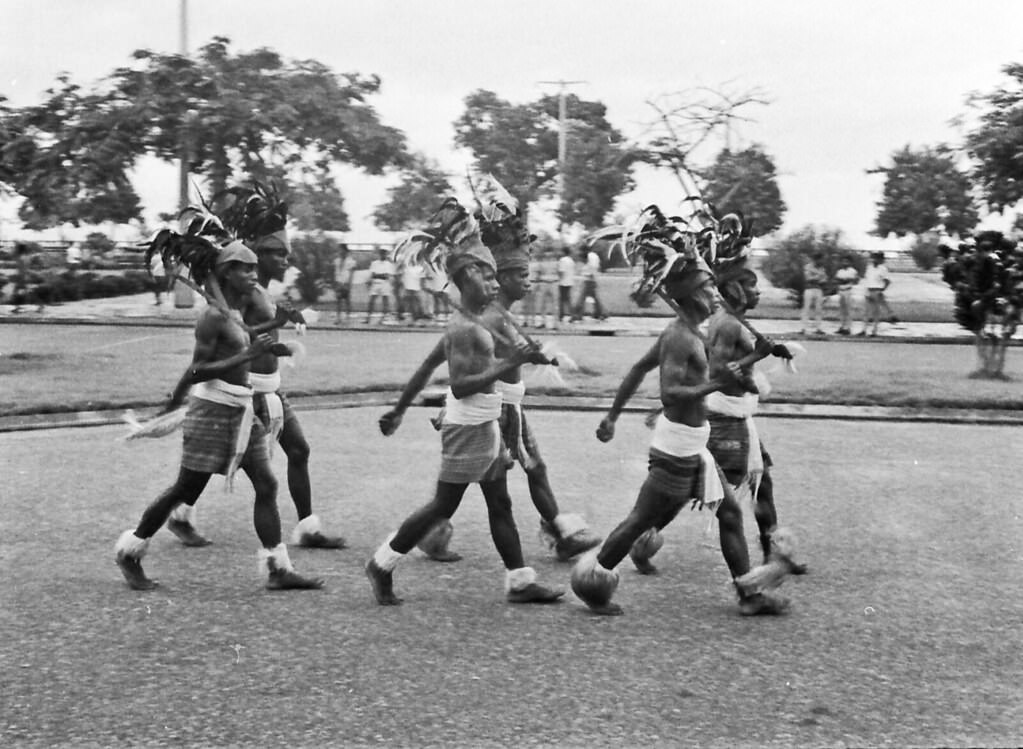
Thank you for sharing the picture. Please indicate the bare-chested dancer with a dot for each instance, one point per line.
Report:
(220, 432)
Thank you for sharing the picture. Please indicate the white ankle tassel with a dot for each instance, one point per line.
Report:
(385, 557)
(310, 524)
(184, 513)
(131, 545)
(279, 555)
(519, 579)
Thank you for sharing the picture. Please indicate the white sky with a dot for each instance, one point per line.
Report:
(849, 83)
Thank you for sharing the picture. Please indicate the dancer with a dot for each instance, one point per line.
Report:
(470, 437)
(220, 434)
(506, 236)
(681, 471)
(734, 441)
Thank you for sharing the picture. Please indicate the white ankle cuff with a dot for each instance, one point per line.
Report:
(279, 555)
(519, 579)
(569, 524)
(310, 524)
(131, 545)
(184, 513)
(385, 557)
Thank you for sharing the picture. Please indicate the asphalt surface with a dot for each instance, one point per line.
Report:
(903, 634)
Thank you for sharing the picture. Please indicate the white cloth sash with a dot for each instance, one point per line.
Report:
(743, 407)
(236, 396)
(511, 392)
(683, 441)
(478, 408)
(267, 385)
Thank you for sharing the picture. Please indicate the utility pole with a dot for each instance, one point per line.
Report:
(184, 137)
(562, 136)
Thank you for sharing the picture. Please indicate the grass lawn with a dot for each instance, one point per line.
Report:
(904, 634)
(69, 367)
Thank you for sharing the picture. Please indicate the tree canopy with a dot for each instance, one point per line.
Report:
(746, 181)
(518, 144)
(422, 187)
(249, 113)
(924, 189)
(996, 143)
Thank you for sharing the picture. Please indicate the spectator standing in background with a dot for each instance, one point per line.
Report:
(412, 291)
(814, 278)
(876, 280)
(566, 281)
(545, 295)
(344, 270)
(847, 278)
(590, 270)
(381, 273)
(159, 274)
(436, 280)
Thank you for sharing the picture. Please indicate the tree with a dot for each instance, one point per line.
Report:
(689, 122)
(69, 159)
(415, 198)
(924, 190)
(251, 113)
(996, 144)
(317, 205)
(746, 181)
(518, 144)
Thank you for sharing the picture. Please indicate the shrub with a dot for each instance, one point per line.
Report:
(925, 253)
(784, 263)
(313, 257)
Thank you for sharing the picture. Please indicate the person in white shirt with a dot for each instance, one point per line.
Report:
(876, 280)
(566, 280)
(847, 278)
(412, 289)
(381, 271)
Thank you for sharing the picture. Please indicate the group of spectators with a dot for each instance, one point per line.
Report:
(418, 293)
(818, 285)
(560, 287)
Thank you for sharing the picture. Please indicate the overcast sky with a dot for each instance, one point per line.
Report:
(848, 83)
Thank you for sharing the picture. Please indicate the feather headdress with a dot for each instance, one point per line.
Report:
(502, 227)
(193, 248)
(254, 213)
(665, 247)
(451, 233)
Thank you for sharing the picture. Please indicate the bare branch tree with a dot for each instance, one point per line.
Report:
(687, 121)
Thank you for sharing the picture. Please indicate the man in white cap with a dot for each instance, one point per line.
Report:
(220, 432)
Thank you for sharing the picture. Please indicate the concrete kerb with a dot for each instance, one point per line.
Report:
(579, 403)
